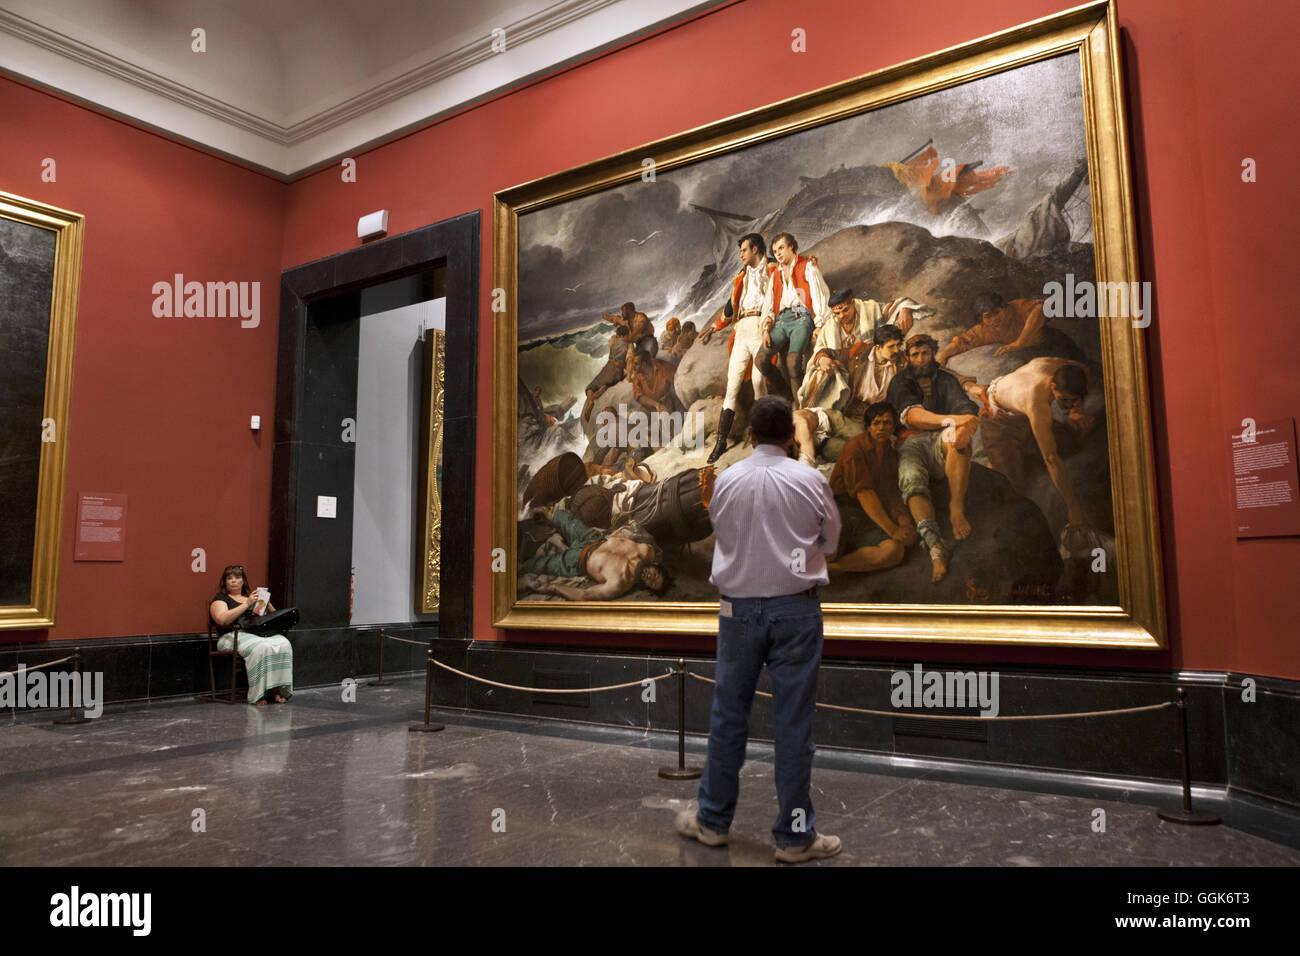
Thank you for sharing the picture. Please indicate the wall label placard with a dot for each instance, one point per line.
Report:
(1266, 489)
(101, 527)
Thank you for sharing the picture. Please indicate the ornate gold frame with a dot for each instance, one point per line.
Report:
(1137, 621)
(69, 229)
(431, 418)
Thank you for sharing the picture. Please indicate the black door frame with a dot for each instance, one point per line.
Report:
(316, 386)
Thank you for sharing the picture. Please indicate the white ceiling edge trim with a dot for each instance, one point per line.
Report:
(611, 25)
(119, 96)
(554, 37)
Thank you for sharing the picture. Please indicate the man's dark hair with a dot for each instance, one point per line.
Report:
(1071, 380)
(921, 339)
(875, 410)
(887, 333)
(789, 240)
(772, 420)
(755, 240)
(665, 578)
(988, 301)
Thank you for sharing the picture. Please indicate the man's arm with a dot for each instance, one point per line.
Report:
(872, 505)
(607, 585)
(821, 294)
(829, 540)
(1040, 421)
(1034, 323)
(960, 343)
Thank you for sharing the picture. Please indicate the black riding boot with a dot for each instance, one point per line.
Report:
(724, 429)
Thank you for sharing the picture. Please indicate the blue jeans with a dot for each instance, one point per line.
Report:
(786, 634)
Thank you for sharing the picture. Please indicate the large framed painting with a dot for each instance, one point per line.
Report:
(40, 271)
(935, 263)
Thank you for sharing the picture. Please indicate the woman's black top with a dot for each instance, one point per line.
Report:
(231, 604)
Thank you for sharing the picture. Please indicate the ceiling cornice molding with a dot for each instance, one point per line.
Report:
(285, 147)
(471, 54)
(45, 38)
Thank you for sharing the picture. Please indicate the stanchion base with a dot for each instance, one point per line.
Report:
(680, 773)
(1196, 818)
(425, 728)
(379, 683)
(70, 720)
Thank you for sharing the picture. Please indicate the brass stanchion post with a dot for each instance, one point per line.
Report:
(74, 717)
(426, 727)
(379, 681)
(1186, 814)
(681, 771)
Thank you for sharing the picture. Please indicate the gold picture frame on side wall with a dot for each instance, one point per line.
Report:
(40, 275)
(969, 196)
(430, 475)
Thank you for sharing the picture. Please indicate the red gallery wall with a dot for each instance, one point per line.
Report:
(1207, 86)
(160, 407)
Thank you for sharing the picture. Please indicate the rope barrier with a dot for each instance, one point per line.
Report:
(407, 640)
(1186, 814)
(908, 713)
(39, 666)
(553, 690)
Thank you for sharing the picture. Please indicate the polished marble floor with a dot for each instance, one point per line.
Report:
(324, 782)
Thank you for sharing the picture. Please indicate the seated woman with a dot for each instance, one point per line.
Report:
(268, 660)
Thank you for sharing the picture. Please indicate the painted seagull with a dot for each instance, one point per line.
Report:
(574, 289)
(642, 242)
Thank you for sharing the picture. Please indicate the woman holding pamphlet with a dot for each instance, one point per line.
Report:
(267, 658)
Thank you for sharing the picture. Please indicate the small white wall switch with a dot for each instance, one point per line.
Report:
(373, 225)
(256, 423)
(326, 506)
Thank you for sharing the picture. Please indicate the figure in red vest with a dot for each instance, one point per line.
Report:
(795, 307)
(749, 289)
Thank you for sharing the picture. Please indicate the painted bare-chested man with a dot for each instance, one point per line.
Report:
(615, 564)
(1020, 407)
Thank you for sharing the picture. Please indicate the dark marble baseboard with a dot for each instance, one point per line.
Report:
(1251, 748)
(157, 667)
(1248, 749)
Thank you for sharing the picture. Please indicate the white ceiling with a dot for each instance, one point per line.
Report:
(286, 85)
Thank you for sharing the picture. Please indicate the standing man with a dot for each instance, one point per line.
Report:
(749, 289)
(774, 519)
(614, 369)
(795, 307)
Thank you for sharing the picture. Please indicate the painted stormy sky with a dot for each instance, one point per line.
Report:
(1030, 119)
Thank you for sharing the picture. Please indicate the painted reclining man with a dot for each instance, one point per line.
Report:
(615, 564)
